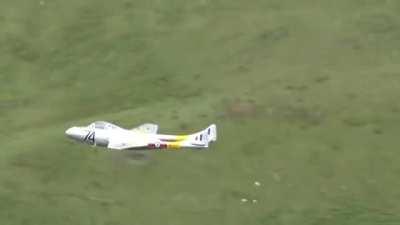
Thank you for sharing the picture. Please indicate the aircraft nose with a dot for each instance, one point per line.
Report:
(75, 133)
(69, 132)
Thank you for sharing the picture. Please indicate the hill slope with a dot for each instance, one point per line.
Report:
(305, 95)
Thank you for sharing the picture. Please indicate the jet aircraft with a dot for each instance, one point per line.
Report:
(143, 137)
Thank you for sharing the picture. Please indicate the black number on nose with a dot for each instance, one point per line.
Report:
(90, 137)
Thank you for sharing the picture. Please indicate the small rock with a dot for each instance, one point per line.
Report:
(256, 183)
(244, 200)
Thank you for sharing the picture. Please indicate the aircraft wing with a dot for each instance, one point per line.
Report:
(148, 128)
(126, 144)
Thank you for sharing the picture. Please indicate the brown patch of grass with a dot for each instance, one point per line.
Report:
(241, 109)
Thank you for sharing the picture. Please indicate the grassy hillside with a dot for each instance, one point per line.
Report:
(305, 95)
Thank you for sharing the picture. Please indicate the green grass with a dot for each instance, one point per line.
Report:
(304, 93)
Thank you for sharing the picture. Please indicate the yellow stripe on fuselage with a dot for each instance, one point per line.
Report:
(174, 145)
(177, 144)
(173, 142)
(181, 137)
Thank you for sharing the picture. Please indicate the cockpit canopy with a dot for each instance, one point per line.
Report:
(102, 125)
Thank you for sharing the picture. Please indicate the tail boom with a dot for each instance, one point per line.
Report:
(197, 140)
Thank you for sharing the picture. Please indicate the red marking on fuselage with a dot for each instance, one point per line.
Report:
(157, 146)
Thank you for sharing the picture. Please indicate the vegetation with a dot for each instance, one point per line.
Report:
(304, 93)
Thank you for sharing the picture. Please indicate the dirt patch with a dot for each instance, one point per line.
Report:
(302, 114)
(241, 109)
(296, 114)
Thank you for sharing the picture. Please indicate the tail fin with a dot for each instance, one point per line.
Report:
(212, 133)
(204, 137)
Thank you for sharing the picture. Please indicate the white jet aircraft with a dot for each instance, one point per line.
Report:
(108, 135)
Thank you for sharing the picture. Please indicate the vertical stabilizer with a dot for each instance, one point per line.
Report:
(212, 133)
(202, 138)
